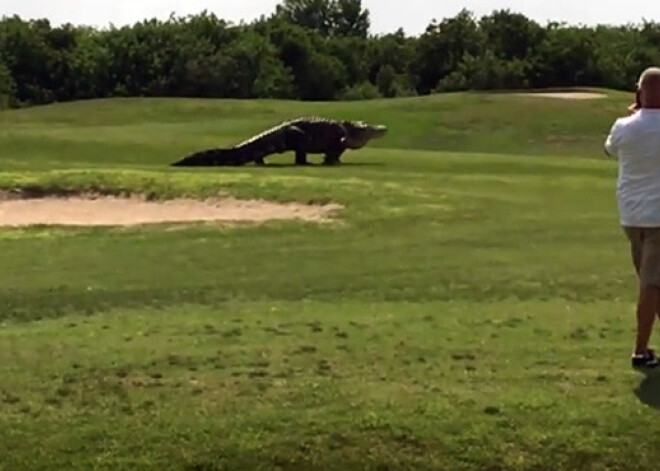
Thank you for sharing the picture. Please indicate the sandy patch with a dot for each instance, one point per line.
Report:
(565, 95)
(115, 211)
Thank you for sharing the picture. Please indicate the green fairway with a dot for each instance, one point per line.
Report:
(471, 308)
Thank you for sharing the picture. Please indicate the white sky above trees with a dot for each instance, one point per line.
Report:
(386, 15)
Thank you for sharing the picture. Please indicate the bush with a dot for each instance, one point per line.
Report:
(361, 91)
(486, 72)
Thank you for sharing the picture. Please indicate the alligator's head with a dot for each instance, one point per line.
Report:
(359, 133)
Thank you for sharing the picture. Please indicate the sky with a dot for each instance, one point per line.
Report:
(386, 15)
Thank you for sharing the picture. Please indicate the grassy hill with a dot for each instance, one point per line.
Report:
(139, 132)
(472, 310)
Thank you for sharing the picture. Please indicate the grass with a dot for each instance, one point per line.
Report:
(472, 310)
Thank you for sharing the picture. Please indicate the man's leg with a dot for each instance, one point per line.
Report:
(647, 309)
(646, 255)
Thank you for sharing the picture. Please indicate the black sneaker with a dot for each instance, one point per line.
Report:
(646, 360)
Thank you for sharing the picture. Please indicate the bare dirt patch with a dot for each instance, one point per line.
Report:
(89, 210)
(565, 95)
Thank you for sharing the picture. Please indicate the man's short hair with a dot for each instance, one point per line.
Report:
(649, 74)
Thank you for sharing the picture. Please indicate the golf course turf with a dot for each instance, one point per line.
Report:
(469, 306)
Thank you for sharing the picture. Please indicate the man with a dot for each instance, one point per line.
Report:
(635, 142)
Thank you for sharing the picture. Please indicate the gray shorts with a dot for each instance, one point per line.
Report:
(645, 251)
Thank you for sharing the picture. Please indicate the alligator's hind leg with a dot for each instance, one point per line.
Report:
(296, 140)
(301, 157)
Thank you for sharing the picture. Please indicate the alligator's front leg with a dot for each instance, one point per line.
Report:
(333, 155)
(332, 158)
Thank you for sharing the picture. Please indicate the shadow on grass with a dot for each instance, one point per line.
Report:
(343, 164)
(648, 390)
(275, 165)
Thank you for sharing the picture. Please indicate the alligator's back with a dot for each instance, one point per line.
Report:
(321, 134)
(266, 137)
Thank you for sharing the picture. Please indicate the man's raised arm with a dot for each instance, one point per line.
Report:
(611, 142)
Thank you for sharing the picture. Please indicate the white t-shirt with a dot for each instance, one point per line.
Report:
(635, 142)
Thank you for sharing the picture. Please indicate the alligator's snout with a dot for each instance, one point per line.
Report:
(380, 131)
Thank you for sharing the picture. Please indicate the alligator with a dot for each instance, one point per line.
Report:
(310, 135)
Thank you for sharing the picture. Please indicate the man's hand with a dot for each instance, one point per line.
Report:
(632, 109)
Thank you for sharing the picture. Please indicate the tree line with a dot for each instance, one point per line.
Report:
(313, 50)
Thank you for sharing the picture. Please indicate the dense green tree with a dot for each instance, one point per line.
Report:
(327, 17)
(390, 58)
(88, 66)
(443, 46)
(566, 57)
(7, 86)
(349, 18)
(616, 56)
(309, 14)
(511, 35)
(26, 52)
(317, 75)
(313, 50)
(353, 53)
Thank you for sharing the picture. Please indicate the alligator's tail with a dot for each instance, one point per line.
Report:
(274, 140)
(213, 157)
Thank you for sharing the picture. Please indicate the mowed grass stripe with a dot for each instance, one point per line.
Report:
(460, 385)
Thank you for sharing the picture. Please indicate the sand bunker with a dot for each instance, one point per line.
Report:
(565, 95)
(114, 211)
